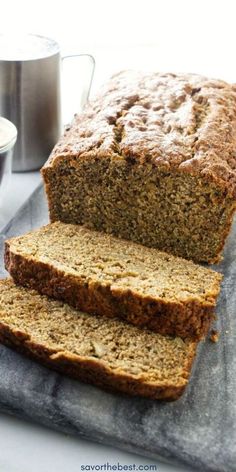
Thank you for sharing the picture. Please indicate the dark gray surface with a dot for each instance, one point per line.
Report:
(198, 430)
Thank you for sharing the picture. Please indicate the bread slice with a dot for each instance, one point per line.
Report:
(106, 352)
(102, 274)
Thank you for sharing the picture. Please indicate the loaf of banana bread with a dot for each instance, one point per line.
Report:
(106, 352)
(101, 274)
(151, 159)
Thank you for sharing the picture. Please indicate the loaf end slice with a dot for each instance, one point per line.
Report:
(108, 353)
(102, 274)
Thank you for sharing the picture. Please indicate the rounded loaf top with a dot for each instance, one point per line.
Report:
(177, 122)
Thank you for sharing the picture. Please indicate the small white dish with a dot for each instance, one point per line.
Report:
(8, 135)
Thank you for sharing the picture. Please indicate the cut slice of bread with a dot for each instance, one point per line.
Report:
(106, 352)
(102, 274)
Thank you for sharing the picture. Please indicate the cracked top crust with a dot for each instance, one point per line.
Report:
(184, 122)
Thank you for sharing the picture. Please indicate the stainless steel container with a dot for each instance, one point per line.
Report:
(30, 95)
(8, 134)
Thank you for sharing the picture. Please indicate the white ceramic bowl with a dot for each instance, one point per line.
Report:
(8, 135)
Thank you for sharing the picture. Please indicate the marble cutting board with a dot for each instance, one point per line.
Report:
(198, 430)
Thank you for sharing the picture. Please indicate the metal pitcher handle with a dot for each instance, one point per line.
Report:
(92, 61)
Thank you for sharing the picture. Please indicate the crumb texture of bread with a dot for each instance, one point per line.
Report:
(214, 336)
(151, 159)
(106, 352)
(101, 274)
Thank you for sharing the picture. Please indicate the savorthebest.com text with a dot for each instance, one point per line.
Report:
(107, 467)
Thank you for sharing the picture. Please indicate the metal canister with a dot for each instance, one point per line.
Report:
(30, 95)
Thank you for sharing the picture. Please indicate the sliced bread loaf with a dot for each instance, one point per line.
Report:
(151, 159)
(101, 274)
(106, 352)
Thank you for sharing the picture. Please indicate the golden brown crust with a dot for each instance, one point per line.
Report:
(185, 123)
(90, 371)
(16, 331)
(186, 318)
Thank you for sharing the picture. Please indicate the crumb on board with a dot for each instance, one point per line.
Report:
(214, 336)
